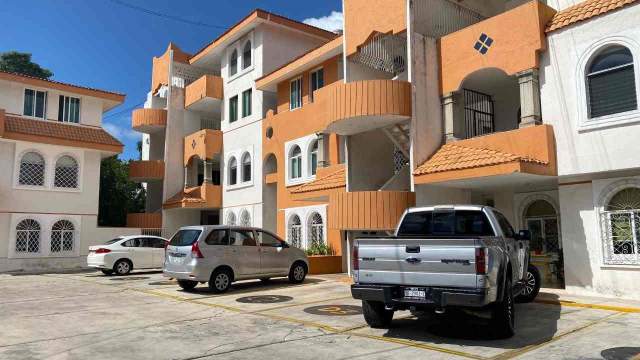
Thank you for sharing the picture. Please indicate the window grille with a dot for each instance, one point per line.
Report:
(62, 236)
(316, 230)
(478, 114)
(31, 170)
(245, 218)
(295, 231)
(28, 236)
(231, 219)
(66, 174)
(399, 160)
(621, 224)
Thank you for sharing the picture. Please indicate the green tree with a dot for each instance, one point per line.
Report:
(19, 62)
(118, 195)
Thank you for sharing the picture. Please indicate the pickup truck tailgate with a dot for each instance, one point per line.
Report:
(418, 262)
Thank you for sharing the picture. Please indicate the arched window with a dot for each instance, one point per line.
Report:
(622, 220)
(245, 218)
(31, 169)
(295, 163)
(611, 82)
(28, 236)
(316, 230)
(313, 157)
(62, 234)
(233, 62)
(295, 231)
(542, 221)
(246, 167)
(231, 218)
(233, 171)
(246, 55)
(66, 175)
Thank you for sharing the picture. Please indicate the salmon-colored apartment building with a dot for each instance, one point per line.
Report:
(326, 136)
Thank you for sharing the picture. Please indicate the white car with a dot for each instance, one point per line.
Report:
(124, 253)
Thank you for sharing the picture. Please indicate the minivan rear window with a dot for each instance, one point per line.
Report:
(443, 223)
(185, 237)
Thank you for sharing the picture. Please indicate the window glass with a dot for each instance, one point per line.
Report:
(246, 55)
(266, 239)
(317, 80)
(246, 103)
(41, 101)
(158, 243)
(233, 171)
(35, 103)
(32, 169)
(506, 228)
(233, 109)
(69, 109)
(611, 82)
(296, 163)
(295, 96)
(233, 63)
(246, 168)
(29, 101)
(132, 243)
(314, 158)
(112, 241)
(443, 223)
(217, 237)
(185, 237)
(241, 238)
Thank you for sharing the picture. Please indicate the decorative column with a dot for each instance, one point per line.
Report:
(448, 113)
(208, 167)
(322, 138)
(186, 176)
(529, 98)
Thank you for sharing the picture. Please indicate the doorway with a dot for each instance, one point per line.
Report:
(542, 221)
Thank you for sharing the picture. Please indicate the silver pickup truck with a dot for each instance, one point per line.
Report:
(443, 257)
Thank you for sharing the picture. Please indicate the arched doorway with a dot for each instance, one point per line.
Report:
(542, 221)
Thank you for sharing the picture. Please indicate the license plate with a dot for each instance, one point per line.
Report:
(415, 293)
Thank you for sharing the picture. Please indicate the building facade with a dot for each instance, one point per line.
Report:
(51, 145)
(527, 106)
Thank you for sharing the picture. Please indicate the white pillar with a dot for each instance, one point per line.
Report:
(529, 98)
(448, 113)
(208, 167)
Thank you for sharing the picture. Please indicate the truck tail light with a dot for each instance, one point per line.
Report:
(195, 251)
(355, 264)
(481, 261)
(102, 251)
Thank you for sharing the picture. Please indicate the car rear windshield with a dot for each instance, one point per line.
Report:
(185, 237)
(113, 241)
(446, 223)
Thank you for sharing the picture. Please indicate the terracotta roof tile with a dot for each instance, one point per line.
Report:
(330, 181)
(187, 196)
(53, 129)
(456, 157)
(8, 74)
(583, 11)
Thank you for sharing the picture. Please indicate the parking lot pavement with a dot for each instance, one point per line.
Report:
(146, 316)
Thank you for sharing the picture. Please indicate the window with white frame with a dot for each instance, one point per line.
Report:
(32, 168)
(233, 62)
(28, 237)
(621, 219)
(295, 93)
(246, 55)
(611, 84)
(313, 157)
(245, 218)
(316, 81)
(295, 163)
(231, 218)
(68, 109)
(233, 171)
(246, 102)
(294, 230)
(316, 230)
(35, 103)
(62, 236)
(66, 173)
(233, 109)
(246, 167)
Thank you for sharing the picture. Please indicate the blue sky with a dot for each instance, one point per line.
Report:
(102, 44)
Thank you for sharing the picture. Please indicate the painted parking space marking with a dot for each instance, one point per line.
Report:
(264, 299)
(334, 310)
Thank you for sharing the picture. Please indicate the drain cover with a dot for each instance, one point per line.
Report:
(264, 299)
(334, 310)
(621, 353)
(129, 278)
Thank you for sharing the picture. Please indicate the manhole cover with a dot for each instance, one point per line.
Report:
(621, 353)
(334, 310)
(129, 278)
(264, 299)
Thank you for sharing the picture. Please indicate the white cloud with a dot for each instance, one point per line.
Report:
(121, 133)
(332, 22)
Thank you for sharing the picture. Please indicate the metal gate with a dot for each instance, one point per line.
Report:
(478, 114)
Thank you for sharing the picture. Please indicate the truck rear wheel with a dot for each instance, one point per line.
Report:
(376, 315)
(531, 285)
(503, 314)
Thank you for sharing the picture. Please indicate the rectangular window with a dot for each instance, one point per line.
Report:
(317, 81)
(68, 109)
(295, 94)
(35, 103)
(246, 103)
(233, 109)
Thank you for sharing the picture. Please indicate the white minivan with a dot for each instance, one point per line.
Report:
(221, 255)
(124, 253)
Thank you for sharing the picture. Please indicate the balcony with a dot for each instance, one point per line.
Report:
(149, 120)
(204, 144)
(204, 94)
(368, 210)
(206, 196)
(145, 220)
(505, 158)
(361, 106)
(509, 41)
(146, 170)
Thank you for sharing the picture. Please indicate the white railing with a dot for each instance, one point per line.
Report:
(384, 52)
(437, 18)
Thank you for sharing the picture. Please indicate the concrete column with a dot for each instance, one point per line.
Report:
(186, 176)
(322, 156)
(208, 168)
(448, 113)
(529, 98)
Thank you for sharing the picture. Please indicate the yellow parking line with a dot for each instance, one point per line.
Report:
(622, 309)
(300, 304)
(418, 345)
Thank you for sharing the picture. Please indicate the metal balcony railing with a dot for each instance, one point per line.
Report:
(437, 18)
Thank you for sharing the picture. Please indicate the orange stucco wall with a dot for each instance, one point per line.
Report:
(146, 169)
(518, 37)
(208, 86)
(362, 17)
(203, 144)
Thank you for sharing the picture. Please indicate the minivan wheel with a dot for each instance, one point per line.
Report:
(220, 281)
(187, 285)
(531, 285)
(503, 314)
(122, 267)
(376, 315)
(298, 272)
